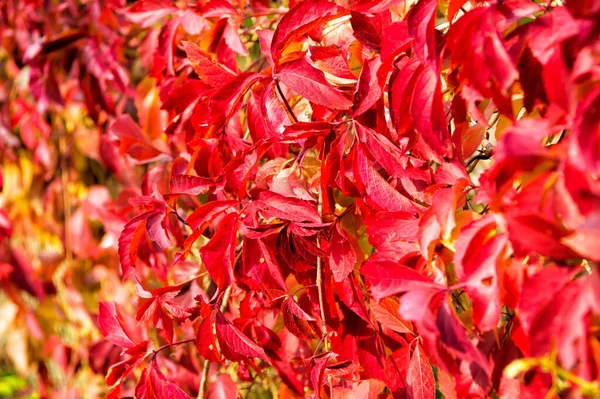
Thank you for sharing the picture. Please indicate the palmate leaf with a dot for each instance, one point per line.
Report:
(330, 198)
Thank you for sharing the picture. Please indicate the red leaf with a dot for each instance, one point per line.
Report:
(317, 367)
(386, 313)
(388, 279)
(111, 325)
(297, 321)
(227, 96)
(221, 388)
(205, 214)
(146, 12)
(301, 19)
(156, 231)
(367, 30)
(235, 345)
(284, 208)
(421, 384)
(154, 385)
(129, 242)
(310, 83)
(207, 68)
(421, 26)
(378, 190)
(427, 111)
(218, 254)
(342, 256)
(260, 264)
(190, 185)
(133, 141)
(368, 91)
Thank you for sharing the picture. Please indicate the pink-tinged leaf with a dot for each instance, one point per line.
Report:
(5, 224)
(385, 227)
(189, 185)
(205, 214)
(383, 150)
(401, 89)
(23, 273)
(165, 44)
(421, 383)
(317, 367)
(219, 253)
(221, 388)
(154, 385)
(421, 27)
(129, 242)
(156, 231)
(446, 385)
(427, 110)
(134, 142)
(571, 306)
(236, 345)
(342, 256)
(395, 39)
(368, 91)
(297, 321)
(207, 68)
(227, 96)
(474, 42)
(260, 264)
(482, 284)
(206, 341)
(396, 366)
(118, 371)
(193, 23)
(310, 83)
(284, 208)
(378, 190)
(301, 19)
(352, 296)
(387, 278)
(331, 60)
(534, 234)
(265, 38)
(549, 31)
(584, 240)
(538, 292)
(233, 40)
(584, 148)
(385, 312)
(111, 325)
(454, 337)
(146, 12)
(242, 168)
(267, 119)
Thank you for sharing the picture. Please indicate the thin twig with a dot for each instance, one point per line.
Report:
(320, 282)
(203, 379)
(222, 308)
(165, 346)
(291, 114)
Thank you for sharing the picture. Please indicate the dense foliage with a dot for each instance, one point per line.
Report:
(353, 199)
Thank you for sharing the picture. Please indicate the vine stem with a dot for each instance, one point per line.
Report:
(165, 346)
(291, 114)
(320, 280)
(206, 364)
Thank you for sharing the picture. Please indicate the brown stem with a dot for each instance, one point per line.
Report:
(206, 364)
(204, 379)
(320, 282)
(291, 114)
(165, 346)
